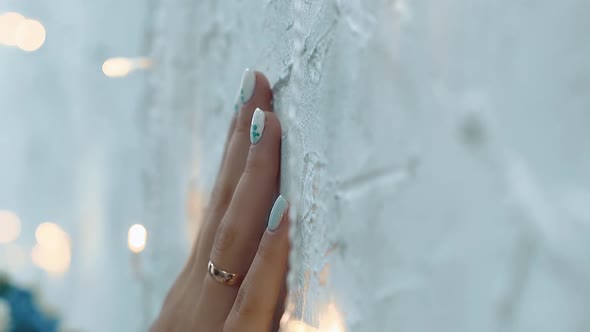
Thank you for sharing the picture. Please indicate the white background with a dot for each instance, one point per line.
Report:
(437, 154)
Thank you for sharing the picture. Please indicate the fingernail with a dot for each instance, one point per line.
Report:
(257, 128)
(277, 213)
(246, 88)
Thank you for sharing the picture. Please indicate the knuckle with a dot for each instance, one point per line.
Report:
(249, 307)
(224, 239)
(222, 196)
(256, 163)
(242, 307)
(243, 127)
(266, 251)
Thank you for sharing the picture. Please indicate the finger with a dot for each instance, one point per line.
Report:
(238, 236)
(191, 200)
(260, 293)
(280, 308)
(235, 159)
(232, 128)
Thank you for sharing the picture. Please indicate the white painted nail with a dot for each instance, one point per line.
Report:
(246, 88)
(257, 128)
(277, 213)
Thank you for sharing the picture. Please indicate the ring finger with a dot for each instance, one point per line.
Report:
(239, 233)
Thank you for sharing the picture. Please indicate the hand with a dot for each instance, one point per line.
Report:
(239, 234)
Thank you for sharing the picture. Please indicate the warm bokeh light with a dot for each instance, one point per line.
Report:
(331, 320)
(9, 226)
(298, 326)
(117, 67)
(121, 67)
(137, 238)
(30, 35)
(17, 30)
(55, 260)
(143, 63)
(49, 234)
(9, 23)
(53, 250)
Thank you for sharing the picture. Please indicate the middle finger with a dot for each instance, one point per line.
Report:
(254, 92)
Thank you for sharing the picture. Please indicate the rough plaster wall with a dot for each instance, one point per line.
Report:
(436, 152)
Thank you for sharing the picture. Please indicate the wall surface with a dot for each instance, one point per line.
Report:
(437, 152)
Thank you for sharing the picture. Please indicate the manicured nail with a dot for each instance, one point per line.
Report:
(246, 88)
(277, 213)
(257, 128)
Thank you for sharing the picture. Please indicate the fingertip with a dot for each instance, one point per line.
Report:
(265, 149)
(277, 214)
(273, 125)
(264, 85)
(261, 98)
(262, 95)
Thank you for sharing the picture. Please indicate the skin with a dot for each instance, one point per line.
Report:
(235, 237)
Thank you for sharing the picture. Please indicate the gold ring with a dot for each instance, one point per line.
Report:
(223, 277)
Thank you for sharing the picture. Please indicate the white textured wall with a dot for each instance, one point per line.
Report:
(438, 152)
(441, 144)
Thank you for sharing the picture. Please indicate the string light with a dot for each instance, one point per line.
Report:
(17, 30)
(9, 226)
(116, 67)
(331, 320)
(30, 35)
(137, 238)
(9, 23)
(53, 251)
(121, 67)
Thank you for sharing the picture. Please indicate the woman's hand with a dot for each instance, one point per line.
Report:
(240, 234)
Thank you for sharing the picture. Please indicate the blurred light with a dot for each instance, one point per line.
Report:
(143, 63)
(30, 35)
(116, 67)
(121, 67)
(49, 234)
(298, 326)
(330, 321)
(9, 226)
(137, 238)
(9, 23)
(53, 250)
(55, 260)
(16, 30)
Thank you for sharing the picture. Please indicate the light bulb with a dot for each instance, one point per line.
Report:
(137, 238)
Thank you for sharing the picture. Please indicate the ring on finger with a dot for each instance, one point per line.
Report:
(223, 277)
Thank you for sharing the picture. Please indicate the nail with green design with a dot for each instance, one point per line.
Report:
(257, 128)
(246, 90)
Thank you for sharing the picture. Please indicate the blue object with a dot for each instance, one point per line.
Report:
(25, 315)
